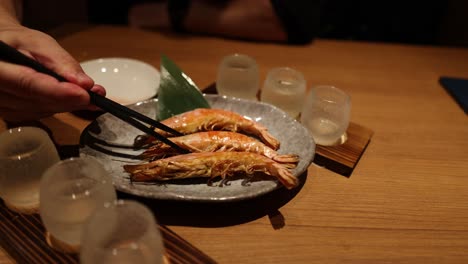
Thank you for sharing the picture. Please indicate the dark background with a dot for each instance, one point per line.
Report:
(431, 22)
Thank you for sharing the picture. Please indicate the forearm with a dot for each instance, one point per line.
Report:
(236, 18)
(243, 19)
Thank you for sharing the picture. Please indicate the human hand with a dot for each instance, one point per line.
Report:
(26, 94)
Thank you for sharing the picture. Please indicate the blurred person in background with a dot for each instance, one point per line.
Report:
(294, 22)
(429, 22)
(284, 21)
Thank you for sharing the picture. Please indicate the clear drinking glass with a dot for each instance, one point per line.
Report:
(285, 88)
(70, 192)
(25, 153)
(326, 114)
(238, 77)
(124, 232)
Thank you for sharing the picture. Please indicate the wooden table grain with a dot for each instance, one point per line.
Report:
(407, 199)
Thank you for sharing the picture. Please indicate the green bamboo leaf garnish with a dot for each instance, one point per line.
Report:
(176, 94)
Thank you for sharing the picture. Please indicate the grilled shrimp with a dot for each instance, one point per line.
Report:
(212, 165)
(203, 119)
(215, 141)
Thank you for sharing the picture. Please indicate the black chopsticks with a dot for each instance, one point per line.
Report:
(137, 120)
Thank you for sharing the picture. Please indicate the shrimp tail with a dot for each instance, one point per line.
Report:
(285, 176)
(289, 161)
(269, 139)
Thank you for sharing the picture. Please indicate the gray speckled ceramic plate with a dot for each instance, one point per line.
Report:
(109, 140)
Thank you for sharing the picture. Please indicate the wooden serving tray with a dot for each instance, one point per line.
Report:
(343, 158)
(24, 238)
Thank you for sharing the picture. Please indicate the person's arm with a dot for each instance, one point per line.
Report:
(253, 20)
(26, 94)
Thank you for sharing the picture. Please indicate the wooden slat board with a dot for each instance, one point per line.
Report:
(343, 158)
(23, 237)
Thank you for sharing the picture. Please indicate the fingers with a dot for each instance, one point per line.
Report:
(53, 56)
(99, 90)
(48, 52)
(26, 94)
(22, 88)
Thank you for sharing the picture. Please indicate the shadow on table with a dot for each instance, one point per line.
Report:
(218, 214)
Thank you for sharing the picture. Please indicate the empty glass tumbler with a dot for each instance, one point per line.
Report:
(70, 192)
(25, 153)
(238, 77)
(326, 114)
(123, 232)
(285, 88)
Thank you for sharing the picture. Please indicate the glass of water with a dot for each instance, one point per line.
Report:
(285, 88)
(238, 77)
(123, 232)
(70, 192)
(25, 153)
(326, 114)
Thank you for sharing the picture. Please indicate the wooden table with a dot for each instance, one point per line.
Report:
(407, 199)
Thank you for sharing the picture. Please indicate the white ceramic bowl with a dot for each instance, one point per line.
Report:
(127, 81)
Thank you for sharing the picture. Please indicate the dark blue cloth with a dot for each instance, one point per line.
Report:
(458, 89)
